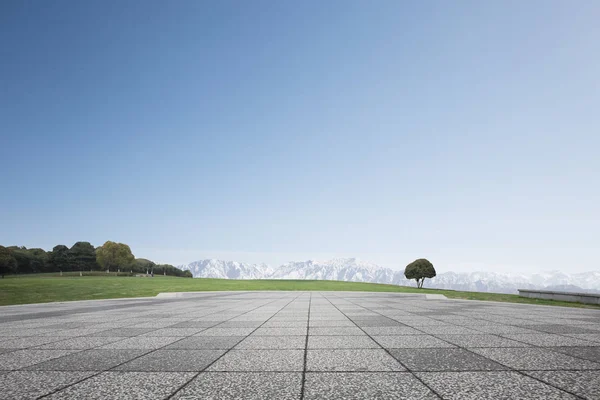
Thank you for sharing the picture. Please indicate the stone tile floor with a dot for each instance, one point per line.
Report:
(298, 345)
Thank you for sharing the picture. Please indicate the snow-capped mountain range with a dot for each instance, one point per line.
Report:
(351, 269)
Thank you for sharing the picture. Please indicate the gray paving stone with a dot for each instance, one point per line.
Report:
(325, 323)
(260, 360)
(79, 343)
(285, 324)
(206, 343)
(296, 331)
(239, 324)
(142, 342)
(443, 360)
(272, 342)
(529, 358)
(497, 385)
(392, 330)
(341, 342)
(27, 342)
(33, 384)
(174, 332)
(553, 328)
(592, 337)
(125, 386)
(550, 340)
(23, 358)
(360, 386)
(87, 360)
(346, 360)
(226, 332)
(124, 332)
(410, 342)
(481, 341)
(173, 361)
(587, 353)
(194, 324)
(583, 383)
(448, 330)
(243, 385)
(335, 331)
(376, 321)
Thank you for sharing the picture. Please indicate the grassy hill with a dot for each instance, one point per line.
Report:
(42, 288)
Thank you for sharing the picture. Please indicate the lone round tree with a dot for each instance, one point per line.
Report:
(419, 270)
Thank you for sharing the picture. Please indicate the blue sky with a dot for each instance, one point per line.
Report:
(466, 132)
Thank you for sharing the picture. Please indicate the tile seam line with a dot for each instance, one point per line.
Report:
(303, 385)
(386, 350)
(472, 352)
(226, 352)
(135, 358)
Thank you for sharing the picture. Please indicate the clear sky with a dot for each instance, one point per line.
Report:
(467, 132)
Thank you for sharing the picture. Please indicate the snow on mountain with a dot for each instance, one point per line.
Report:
(227, 269)
(354, 270)
(339, 269)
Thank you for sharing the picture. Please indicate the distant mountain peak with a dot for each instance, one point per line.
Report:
(356, 270)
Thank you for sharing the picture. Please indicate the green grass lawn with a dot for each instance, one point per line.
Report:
(42, 288)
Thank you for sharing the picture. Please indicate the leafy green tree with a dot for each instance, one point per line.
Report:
(30, 260)
(419, 270)
(60, 258)
(8, 263)
(83, 256)
(114, 255)
(141, 265)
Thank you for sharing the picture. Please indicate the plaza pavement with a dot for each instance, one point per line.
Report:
(298, 345)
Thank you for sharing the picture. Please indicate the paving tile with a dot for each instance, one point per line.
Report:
(260, 360)
(24, 358)
(194, 324)
(502, 329)
(411, 342)
(392, 330)
(583, 383)
(497, 385)
(529, 358)
(587, 353)
(481, 341)
(285, 324)
(346, 360)
(142, 342)
(33, 384)
(553, 328)
(335, 331)
(443, 360)
(448, 330)
(79, 343)
(360, 386)
(243, 385)
(323, 323)
(549, 340)
(174, 332)
(296, 331)
(206, 343)
(592, 337)
(272, 342)
(27, 342)
(377, 321)
(124, 332)
(341, 342)
(226, 332)
(173, 361)
(125, 386)
(239, 324)
(87, 360)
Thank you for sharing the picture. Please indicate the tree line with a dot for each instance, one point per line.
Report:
(82, 256)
